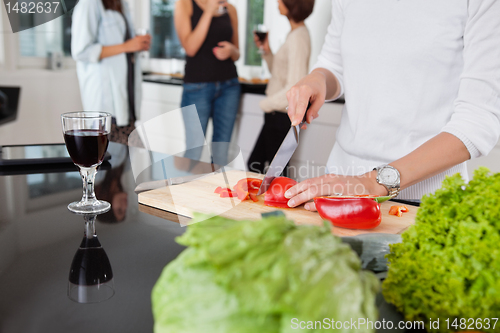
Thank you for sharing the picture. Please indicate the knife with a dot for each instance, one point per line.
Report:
(152, 185)
(284, 154)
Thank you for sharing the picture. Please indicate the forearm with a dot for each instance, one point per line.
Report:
(235, 54)
(332, 84)
(195, 40)
(110, 51)
(433, 157)
(269, 57)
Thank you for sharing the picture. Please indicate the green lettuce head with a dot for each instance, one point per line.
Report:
(257, 276)
(448, 265)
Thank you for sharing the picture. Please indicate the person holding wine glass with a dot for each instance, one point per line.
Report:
(287, 66)
(211, 80)
(106, 50)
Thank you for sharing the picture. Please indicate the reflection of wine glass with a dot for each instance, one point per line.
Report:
(86, 137)
(222, 9)
(260, 30)
(90, 275)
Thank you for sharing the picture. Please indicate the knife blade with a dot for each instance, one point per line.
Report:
(283, 156)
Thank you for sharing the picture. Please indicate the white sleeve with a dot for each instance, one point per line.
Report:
(476, 116)
(84, 29)
(330, 57)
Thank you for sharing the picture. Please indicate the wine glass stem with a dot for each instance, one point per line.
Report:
(88, 178)
(90, 227)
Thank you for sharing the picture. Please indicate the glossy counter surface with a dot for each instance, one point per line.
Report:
(39, 238)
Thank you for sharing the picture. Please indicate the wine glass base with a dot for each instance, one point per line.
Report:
(91, 294)
(91, 207)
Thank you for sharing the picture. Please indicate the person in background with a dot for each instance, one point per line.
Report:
(287, 66)
(105, 48)
(422, 95)
(210, 39)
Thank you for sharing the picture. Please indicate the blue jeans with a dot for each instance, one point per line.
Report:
(219, 101)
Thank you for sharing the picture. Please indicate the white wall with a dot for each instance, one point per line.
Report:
(45, 95)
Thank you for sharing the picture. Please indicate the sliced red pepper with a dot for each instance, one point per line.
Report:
(218, 190)
(349, 212)
(247, 188)
(398, 210)
(227, 193)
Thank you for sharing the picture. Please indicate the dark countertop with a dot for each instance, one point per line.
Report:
(39, 238)
(246, 87)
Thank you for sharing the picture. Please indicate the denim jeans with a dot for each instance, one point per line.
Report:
(219, 101)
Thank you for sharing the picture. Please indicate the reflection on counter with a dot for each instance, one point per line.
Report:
(90, 275)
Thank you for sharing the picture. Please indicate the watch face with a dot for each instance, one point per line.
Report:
(388, 176)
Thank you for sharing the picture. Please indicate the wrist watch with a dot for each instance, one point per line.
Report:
(389, 177)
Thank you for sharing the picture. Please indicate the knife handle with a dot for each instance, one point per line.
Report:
(304, 120)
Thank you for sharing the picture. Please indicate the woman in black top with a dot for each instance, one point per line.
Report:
(211, 81)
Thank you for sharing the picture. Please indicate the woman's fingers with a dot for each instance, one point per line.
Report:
(311, 206)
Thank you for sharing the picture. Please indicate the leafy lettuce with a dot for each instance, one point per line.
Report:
(448, 265)
(255, 276)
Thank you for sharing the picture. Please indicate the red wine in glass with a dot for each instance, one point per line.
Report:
(86, 147)
(261, 35)
(86, 137)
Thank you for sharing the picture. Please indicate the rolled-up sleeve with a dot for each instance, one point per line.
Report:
(84, 30)
(476, 117)
(330, 57)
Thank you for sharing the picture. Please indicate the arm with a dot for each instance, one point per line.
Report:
(191, 40)
(298, 65)
(84, 45)
(268, 54)
(473, 129)
(136, 44)
(226, 50)
(326, 79)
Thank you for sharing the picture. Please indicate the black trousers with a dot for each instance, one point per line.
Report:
(276, 126)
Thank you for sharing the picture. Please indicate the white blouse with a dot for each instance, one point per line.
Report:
(410, 70)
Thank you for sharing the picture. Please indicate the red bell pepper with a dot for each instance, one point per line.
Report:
(275, 194)
(350, 212)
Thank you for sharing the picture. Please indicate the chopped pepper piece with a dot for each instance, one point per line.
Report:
(398, 210)
(227, 193)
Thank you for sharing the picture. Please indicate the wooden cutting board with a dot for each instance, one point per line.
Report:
(198, 196)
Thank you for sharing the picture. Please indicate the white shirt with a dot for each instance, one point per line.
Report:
(103, 82)
(409, 70)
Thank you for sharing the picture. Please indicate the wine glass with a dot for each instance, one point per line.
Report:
(86, 137)
(90, 275)
(260, 30)
(222, 9)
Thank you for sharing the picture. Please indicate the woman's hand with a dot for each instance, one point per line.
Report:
(212, 6)
(264, 45)
(137, 44)
(224, 50)
(312, 88)
(333, 184)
